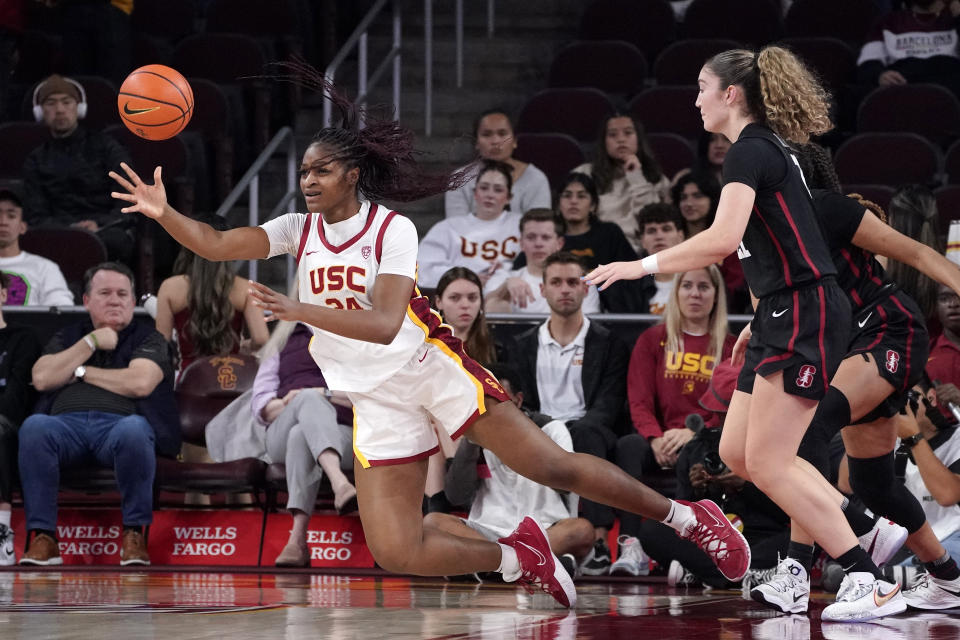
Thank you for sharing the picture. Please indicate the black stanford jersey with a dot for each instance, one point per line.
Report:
(782, 246)
(858, 273)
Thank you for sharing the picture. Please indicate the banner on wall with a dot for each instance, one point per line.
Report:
(93, 536)
(334, 541)
(85, 536)
(220, 537)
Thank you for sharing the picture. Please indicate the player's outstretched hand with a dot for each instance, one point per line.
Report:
(277, 305)
(607, 274)
(148, 199)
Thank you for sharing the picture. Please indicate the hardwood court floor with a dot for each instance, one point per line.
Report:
(160, 605)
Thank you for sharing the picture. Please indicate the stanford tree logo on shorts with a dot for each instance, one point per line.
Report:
(805, 377)
(893, 361)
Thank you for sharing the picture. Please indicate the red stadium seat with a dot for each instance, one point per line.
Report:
(674, 152)
(74, 251)
(878, 193)
(212, 119)
(834, 61)
(204, 389)
(18, 139)
(888, 159)
(948, 206)
(929, 110)
(170, 20)
(575, 112)
(235, 62)
(609, 65)
(669, 110)
(553, 153)
(752, 22)
(681, 61)
(648, 24)
(849, 20)
(951, 163)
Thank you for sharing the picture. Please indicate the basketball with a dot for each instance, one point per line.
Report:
(155, 102)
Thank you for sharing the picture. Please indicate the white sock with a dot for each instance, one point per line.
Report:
(680, 517)
(509, 565)
(5, 517)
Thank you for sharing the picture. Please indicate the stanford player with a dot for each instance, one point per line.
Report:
(378, 340)
(765, 213)
(885, 359)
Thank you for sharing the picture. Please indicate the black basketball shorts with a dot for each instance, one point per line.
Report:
(893, 332)
(803, 332)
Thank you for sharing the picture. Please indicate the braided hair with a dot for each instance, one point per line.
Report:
(380, 148)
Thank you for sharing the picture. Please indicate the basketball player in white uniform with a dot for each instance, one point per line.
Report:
(377, 339)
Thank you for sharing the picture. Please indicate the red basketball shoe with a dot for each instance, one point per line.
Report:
(538, 566)
(719, 539)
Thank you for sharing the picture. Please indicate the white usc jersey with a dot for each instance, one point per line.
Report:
(468, 241)
(337, 268)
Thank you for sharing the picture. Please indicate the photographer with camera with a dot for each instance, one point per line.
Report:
(932, 445)
(702, 474)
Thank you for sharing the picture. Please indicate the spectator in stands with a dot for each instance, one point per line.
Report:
(943, 363)
(701, 474)
(626, 173)
(520, 290)
(484, 241)
(203, 311)
(659, 226)
(711, 150)
(597, 242)
(697, 194)
(308, 429)
(933, 470)
(459, 300)
(913, 212)
(494, 140)
(575, 371)
(670, 369)
(915, 44)
(205, 308)
(34, 280)
(498, 495)
(107, 386)
(65, 178)
(19, 349)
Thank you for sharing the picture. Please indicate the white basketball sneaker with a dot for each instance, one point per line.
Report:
(929, 592)
(788, 590)
(883, 540)
(632, 560)
(862, 597)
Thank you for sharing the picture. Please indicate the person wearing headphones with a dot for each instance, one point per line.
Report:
(65, 179)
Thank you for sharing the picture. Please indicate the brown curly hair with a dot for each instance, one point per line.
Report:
(780, 91)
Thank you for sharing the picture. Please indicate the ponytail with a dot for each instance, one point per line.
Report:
(779, 91)
(913, 212)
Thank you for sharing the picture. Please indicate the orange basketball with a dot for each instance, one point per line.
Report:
(155, 102)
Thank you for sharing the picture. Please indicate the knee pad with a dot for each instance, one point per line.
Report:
(833, 414)
(874, 482)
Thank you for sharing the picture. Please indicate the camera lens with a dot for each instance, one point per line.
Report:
(712, 463)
